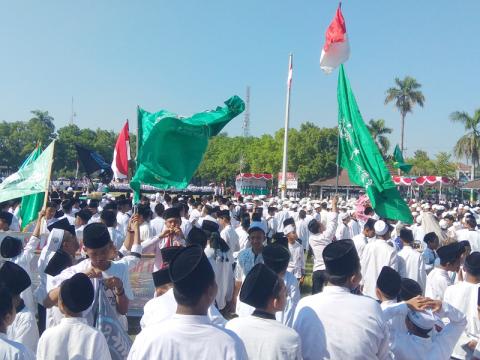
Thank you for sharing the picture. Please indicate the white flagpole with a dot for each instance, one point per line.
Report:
(287, 118)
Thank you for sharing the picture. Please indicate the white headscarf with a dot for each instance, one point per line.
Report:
(54, 242)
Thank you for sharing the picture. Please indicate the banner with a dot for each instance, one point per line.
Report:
(292, 180)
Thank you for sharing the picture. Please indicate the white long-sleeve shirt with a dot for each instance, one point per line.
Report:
(24, 329)
(266, 339)
(296, 265)
(186, 337)
(412, 266)
(293, 297)
(318, 242)
(10, 349)
(72, 339)
(336, 324)
(463, 296)
(437, 282)
(376, 255)
(439, 347)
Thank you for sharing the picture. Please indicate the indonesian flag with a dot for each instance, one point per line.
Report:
(121, 154)
(336, 49)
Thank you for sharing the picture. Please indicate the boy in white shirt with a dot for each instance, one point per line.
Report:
(297, 259)
(73, 338)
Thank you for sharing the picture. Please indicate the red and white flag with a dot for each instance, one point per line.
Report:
(121, 154)
(336, 49)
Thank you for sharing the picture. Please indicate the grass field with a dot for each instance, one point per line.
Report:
(306, 288)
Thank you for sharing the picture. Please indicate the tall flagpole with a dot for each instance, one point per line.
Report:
(287, 118)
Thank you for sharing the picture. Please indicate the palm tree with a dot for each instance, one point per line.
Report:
(406, 95)
(468, 145)
(378, 130)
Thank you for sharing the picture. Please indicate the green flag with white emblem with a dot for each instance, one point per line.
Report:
(359, 155)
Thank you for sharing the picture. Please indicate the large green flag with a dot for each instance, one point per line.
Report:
(399, 162)
(359, 155)
(31, 204)
(170, 148)
(31, 179)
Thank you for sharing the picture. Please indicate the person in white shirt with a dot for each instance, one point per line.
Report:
(464, 296)
(420, 339)
(220, 256)
(336, 324)
(297, 259)
(439, 279)
(271, 222)
(366, 236)
(67, 211)
(24, 328)
(301, 228)
(320, 237)
(343, 231)
(93, 208)
(353, 226)
(12, 248)
(82, 218)
(112, 275)
(10, 349)
(282, 215)
(5, 221)
(158, 222)
(429, 254)
(410, 261)
(228, 233)
(376, 255)
(242, 232)
(110, 220)
(163, 305)
(189, 332)
(388, 287)
(263, 336)
(276, 257)
(470, 233)
(122, 215)
(73, 338)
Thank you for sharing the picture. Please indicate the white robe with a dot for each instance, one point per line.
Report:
(293, 297)
(296, 265)
(72, 339)
(343, 232)
(164, 307)
(266, 339)
(336, 324)
(13, 350)
(412, 266)
(360, 241)
(187, 337)
(376, 255)
(223, 275)
(231, 238)
(463, 296)
(472, 236)
(437, 282)
(24, 329)
(439, 347)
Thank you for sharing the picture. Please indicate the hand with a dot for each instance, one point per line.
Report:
(472, 344)
(41, 213)
(166, 232)
(335, 200)
(114, 283)
(301, 280)
(435, 305)
(178, 231)
(418, 303)
(93, 273)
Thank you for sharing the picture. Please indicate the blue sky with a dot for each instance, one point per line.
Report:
(191, 55)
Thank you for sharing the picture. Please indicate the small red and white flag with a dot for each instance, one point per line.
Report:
(336, 49)
(121, 154)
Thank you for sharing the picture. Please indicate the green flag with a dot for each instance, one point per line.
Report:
(399, 162)
(359, 155)
(171, 148)
(31, 179)
(31, 204)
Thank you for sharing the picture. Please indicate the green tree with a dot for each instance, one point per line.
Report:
(443, 165)
(468, 145)
(422, 164)
(378, 130)
(405, 95)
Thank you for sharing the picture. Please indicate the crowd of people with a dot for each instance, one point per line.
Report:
(228, 274)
